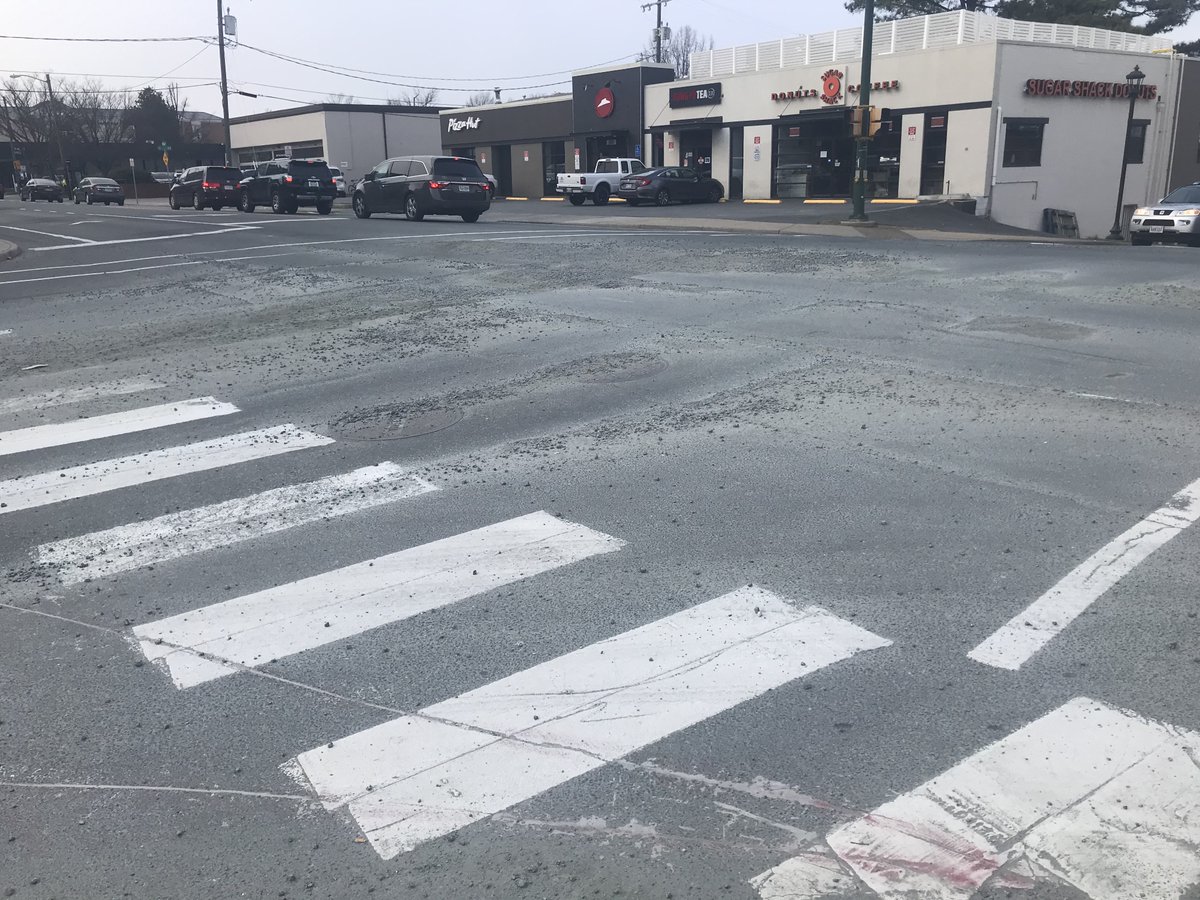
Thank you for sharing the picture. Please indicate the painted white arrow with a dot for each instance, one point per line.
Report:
(1090, 796)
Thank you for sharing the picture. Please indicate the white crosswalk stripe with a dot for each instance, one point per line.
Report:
(40, 437)
(1089, 795)
(214, 641)
(65, 396)
(31, 491)
(418, 777)
(192, 531)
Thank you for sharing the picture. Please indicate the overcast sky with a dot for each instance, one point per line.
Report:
(425, 42)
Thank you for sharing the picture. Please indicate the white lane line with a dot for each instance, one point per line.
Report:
(31, 491)
(4, 331)
(277, 622)
(64, 237)
(419, 777)
(63, 396)
(1091, 795)
(180, 534)
(1015, 642)
(174, 265)
(39, 437)
(143, 240)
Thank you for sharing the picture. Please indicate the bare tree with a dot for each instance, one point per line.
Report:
(339, 98)
(93, 115)
(481, 98)
(678, 49)
(180, 105)
(416, 97)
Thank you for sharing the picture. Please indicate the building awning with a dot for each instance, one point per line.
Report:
(686, 123)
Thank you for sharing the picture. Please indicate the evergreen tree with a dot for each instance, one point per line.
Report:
(1141, 16)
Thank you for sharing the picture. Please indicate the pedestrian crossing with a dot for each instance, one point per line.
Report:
(480, 752)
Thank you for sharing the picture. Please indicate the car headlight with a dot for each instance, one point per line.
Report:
(1188, 212)
(1142, 212)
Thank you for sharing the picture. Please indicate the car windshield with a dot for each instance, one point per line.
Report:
(1189, 194)
(302, 168)
(108, 181)
(457, 170)
(217, 173)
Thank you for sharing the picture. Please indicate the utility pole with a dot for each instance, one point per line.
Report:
(62, 159)
(658, 27)
(224, 83)
(862, 139)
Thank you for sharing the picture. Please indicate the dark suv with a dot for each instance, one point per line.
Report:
(202, 186)
(288, 184)
(424, 185)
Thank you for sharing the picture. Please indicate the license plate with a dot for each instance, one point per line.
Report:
(464, 187)
(229, 187)
(1156, 229)
(312, 182)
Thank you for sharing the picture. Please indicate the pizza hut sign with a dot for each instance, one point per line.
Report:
(470, 123)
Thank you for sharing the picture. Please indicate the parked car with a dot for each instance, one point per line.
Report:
(420, 186)
(202, 186)
(98, 190)
(1174, 219)
(669, 184)
(600, 184)
(339, 180)
(287, 184)
(41, 189)
(163, 177)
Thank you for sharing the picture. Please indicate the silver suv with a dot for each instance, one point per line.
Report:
(1174, 219)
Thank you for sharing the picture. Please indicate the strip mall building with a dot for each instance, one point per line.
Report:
(1019, 116)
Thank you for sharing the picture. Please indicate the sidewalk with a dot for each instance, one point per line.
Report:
(939, 221)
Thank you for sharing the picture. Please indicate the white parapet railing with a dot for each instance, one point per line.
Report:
(922, 33)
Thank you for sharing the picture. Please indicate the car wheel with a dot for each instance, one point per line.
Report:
(470, 217)
(714, 194)
(172, 200)
(245, 204)
(325, 209)
(197, 203)
(106, 202)
(600, 196)
(412, 208)
(662, 198)
(1139, 241)
(576, 199)
(89, 200)
(60, 199)
(360, 207)
(76, 199)
(120, 203)
(277, 205)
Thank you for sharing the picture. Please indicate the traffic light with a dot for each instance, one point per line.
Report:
(866, 120)
(857, 114)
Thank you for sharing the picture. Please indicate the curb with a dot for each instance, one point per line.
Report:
(9, 250)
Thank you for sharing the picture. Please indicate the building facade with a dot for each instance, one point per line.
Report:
(352, 136)
(1020, 116)
(526, 144)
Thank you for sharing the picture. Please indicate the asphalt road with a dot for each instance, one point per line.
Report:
(786, 486)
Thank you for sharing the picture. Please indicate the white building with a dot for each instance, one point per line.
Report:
(1020, 116)
(352, 136)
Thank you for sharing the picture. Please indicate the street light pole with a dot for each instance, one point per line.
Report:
(1134, 81)
(862, 139)
(62, 159)
(224, 83)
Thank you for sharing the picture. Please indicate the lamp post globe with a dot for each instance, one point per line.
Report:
(1134, 82)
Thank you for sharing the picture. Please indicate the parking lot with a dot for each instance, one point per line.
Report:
(545, 556)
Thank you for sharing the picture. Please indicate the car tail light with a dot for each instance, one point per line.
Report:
(287, 179)
(210, 186)
(437, 185)
(582, 180)
(645, 182)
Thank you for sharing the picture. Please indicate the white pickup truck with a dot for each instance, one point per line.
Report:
(600, 184)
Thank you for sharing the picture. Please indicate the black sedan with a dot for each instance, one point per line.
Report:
(669, 184)
(98, 190)
(41, 189)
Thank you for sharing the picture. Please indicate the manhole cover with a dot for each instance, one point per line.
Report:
(619, 369)
(399, 427)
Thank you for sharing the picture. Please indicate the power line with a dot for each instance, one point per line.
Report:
(91, 40)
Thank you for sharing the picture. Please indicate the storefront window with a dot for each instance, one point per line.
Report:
(1023, 142)
(554, 160)
(814, 157)
(885, 169)
(933, 152)
(737, 156)
(1135, 142)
